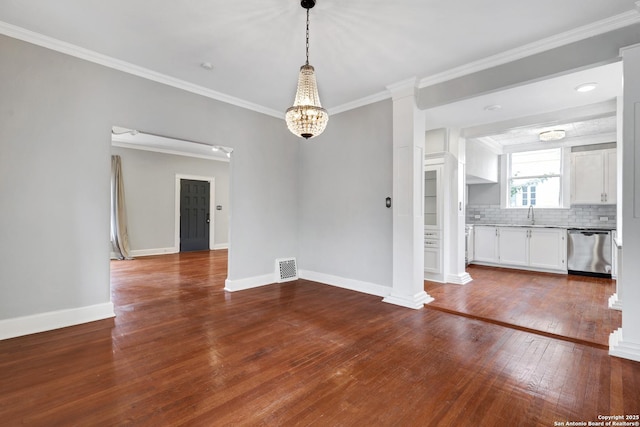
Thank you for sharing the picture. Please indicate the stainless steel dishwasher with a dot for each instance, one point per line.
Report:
(589, 252)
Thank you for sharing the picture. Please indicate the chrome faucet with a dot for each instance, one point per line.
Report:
(530, 214)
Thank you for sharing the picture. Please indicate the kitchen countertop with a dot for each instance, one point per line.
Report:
(574, 227)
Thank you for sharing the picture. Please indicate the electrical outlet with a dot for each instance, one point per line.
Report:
(604, 218)
(476, 216)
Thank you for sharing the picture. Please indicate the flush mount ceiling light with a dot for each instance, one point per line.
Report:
(552, 135)
(307, 118)
(586, 87)
(494, 107)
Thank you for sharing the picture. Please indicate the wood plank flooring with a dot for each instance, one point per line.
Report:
(182, 351)
(574, 308)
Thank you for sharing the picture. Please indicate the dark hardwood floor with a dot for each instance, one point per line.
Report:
(182, 351)
(573, 308)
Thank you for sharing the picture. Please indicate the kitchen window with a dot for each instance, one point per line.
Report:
(535, 178)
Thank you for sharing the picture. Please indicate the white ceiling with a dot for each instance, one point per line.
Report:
(256, 47)
(515, 117)
(358, 48)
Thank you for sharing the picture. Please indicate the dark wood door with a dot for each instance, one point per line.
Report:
(194, 215)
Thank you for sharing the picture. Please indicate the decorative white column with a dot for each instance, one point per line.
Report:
(408, 192)
(456, 220)
(615, 301)
(625, 342)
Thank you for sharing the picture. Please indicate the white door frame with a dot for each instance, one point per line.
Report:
(212, 207)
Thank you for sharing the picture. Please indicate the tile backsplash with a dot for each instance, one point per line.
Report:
(576, 216)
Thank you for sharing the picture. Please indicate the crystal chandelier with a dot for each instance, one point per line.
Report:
(307, 118)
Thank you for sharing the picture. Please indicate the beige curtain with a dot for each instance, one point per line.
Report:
(119, 233)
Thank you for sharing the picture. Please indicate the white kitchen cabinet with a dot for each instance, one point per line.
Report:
(513, 246)
(433, 202)
(548, 248)
(485, 244)
(593, 177)
(522, 247)
(432, 251)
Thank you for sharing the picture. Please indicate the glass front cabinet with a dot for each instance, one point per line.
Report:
(432, 221)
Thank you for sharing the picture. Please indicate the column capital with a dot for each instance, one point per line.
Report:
(403, 89)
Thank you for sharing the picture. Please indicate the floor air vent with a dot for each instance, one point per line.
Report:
(286, 270)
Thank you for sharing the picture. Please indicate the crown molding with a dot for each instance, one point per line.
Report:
(116, 64)
(132, 146)
(371, 99)
(403, 88)
(571, 36)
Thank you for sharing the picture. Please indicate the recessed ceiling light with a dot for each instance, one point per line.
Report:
(586, 87)
(493, 107)
(207, 65)
(552, 135)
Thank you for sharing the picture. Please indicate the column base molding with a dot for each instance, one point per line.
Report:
(415, 302)
(459, 279)
(619, 348)
(615, 303)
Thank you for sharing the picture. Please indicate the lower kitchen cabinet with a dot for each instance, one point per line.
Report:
(432, 258)
(485, 244)
(548, 248)
(513, 246)
(522, 247)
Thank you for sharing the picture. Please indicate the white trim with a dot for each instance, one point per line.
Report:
(41, 322)
(342, 282)
(212, 208)
(116, 64)
(248, 283)
(154, 251)
(403, 88)
(416, 302)
(615, 303)
(371, 99)
(220, 246)
(131, 146)
(619, 348)
(518, 267)
(459, 279)
(571, 36)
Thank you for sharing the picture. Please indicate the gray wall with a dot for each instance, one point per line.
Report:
(484, 194)
(345, 176)
(149, 180)
(56, 114)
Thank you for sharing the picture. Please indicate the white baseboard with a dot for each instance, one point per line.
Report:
(154, 251)
(25, 325)
(341, 282)
(459, 279)
(520, 267)
(619, 348)
(220, 246)
(248, 283)
(434, 277)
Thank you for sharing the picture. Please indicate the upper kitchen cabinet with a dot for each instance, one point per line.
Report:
(482, 164)
(593, 177)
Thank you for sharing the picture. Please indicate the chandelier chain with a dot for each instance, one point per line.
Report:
(307, 46)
